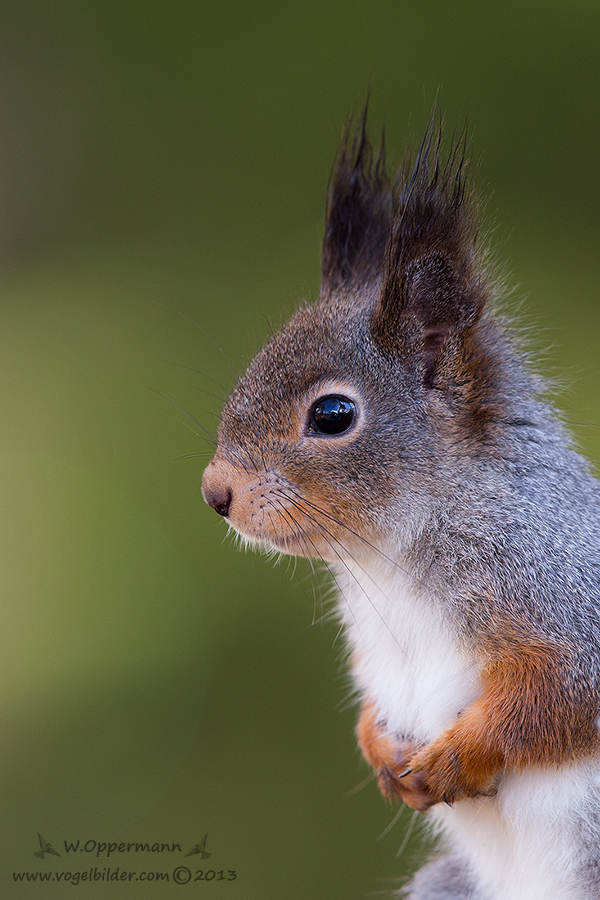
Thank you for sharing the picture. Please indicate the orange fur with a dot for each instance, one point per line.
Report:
(389, 756)
(523, 717)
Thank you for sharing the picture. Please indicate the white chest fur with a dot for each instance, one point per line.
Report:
(524, 844)
(406, 660)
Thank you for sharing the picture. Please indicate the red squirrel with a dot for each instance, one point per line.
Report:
(396, 430)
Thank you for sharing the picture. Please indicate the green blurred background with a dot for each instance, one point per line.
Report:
(163, 169)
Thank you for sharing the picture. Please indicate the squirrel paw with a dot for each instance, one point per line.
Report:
(410, 786)
(390, 755)
(447, 776)
(449, 769)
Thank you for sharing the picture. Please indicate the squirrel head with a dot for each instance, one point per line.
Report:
(352, 416)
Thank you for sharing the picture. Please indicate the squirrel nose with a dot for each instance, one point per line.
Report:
(216, 487)
(220, 500)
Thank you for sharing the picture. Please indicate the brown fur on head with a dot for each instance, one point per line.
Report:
(415, 236)
(398, 331)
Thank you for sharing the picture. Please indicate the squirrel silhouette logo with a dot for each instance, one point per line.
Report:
(396, 431)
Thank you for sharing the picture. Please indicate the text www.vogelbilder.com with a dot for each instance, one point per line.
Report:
(93, 874)
(179, 875)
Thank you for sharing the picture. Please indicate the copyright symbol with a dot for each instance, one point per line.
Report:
(182, 875)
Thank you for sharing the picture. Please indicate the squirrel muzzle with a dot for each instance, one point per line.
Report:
(215, 488)
(247, 498)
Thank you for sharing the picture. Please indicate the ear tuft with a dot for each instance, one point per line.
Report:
(412, 239)
(359, 213)
(434, 285)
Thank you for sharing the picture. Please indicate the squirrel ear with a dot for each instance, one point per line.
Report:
(434, 287)
(359, 214)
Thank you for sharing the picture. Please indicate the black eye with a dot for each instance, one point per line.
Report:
(331, 415)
